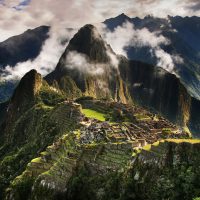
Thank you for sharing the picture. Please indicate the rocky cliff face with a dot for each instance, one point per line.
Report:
(161, 91)
(194, 117)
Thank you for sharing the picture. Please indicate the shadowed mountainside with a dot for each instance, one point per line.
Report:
(183, 34)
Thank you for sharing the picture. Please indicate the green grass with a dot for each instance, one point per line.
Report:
(178, 141)
(166, 130)
(142, 117)
(94, 114)
(192, 141)
(156, 143)
(147, 147)
(36, 160)
(44, 153)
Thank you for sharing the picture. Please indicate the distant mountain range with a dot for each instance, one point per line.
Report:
(183, 34)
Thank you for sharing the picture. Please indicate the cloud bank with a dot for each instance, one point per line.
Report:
(127, 36)
(75, 60)
(20, 15)
(47, 59)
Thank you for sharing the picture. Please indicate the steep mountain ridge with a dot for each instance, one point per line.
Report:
(23, 98)
(55, 145)
(183, 32)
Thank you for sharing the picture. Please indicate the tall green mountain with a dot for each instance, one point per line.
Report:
(96, 75)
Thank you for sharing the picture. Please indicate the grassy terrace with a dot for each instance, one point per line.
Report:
(36, 160)
(148, 146)
(142, 117)
(178, 141)
(93, 114)
(192, 141)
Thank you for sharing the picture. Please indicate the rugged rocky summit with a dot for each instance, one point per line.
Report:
(89, 42)
(22, 99)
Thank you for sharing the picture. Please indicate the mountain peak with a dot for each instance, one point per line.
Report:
(28, 87)
(89, 42)
(123, 16)
(112, 23)
(23, 97)
(31, 82)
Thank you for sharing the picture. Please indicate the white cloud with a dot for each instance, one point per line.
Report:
(126, 35)
(122, 37)
(47, 59)
(79, 61)
(70, 13)
(75, 60)
(164, 59)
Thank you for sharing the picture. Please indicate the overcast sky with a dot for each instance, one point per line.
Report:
(18, 15)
